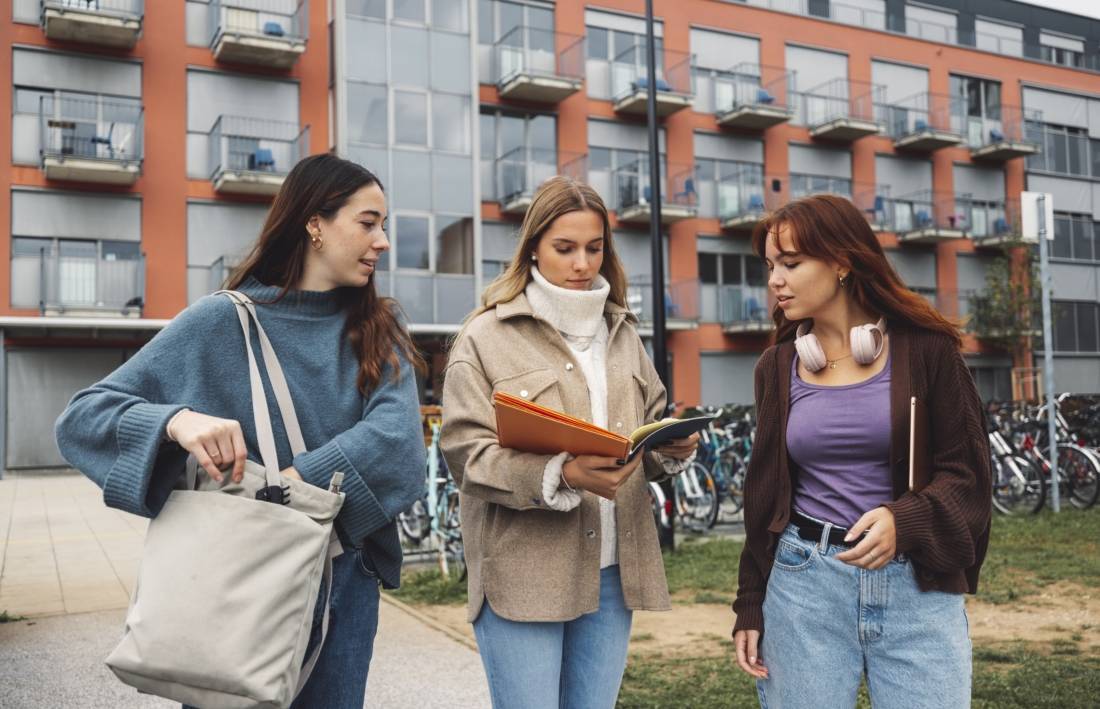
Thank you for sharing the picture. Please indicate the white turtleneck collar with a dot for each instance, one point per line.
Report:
(572, 312)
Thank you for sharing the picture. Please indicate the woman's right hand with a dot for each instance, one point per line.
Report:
(598, 475)
(747, 644)
(216, 443)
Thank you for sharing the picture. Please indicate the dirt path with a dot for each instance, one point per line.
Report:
(1062, 610)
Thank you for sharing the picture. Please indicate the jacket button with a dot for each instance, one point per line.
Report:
(536, 501)
(591, 534)
(569, 366)
(523, 393)
(628, 533)
(618, 424)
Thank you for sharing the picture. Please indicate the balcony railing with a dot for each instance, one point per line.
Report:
(991, 223)
(1002, 138)
(537, 65)
(841, 110)
(520, 172)
(803, 185)
(681, 302)
(71, 285)
(269, 33)
(753, 97)
(923, 122)
(872, 201)
(737, 308)
(88, 138)
(629, 82)
(252, 155)
(926, 217)
(745, 196)
(633, 196)
(108, 23)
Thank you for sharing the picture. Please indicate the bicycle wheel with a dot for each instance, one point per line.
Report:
(695, 497)
(1081, 472)
(415, 522)
(1017, 485)
(452, 533)
(733, 473)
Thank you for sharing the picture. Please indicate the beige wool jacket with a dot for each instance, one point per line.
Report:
(530, 562)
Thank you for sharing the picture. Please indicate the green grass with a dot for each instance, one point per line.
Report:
(432, 588)
(5, 617)
(1017, 677)
(704, 567)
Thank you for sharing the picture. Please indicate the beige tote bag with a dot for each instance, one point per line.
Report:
(229, 579)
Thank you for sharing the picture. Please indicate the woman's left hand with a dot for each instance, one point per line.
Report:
(878, 547)
(680, 448)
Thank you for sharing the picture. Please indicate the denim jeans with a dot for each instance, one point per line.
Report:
(339, 679)
(577, 664)
(827, 624)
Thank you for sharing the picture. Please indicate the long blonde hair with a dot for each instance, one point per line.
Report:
(557, 196)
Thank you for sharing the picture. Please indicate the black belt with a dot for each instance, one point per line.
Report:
(810, 530)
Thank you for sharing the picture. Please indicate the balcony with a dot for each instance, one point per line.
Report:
(926, 217)
(739, 309)
(681, 302)
(253, 156)
(538, 66)
(842, 111)
(629, 82)
(86, 283)
(1001, 139)
(88, 138)
(269, 33)
(991, 223)
(520, 172)
(107, 23)
(744, 99)
(746, 196)
(872, 201)
(634, 197)
(924, 122)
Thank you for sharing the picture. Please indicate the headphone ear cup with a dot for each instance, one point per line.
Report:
(810, 352)
(867, 341)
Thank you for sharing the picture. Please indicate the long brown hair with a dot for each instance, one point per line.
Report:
(322, 184)
(555, 197)
(831, 228)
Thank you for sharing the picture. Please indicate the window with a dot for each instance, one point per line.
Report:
(449, 125)
(1058, 49)
(367, 8)
(1094, 148)
(454, 245)
(411, 10)
(517, 149)
(79, 272)
(1076, 326)
(496, 19)
(803, 185)
(732, 270)
(412, 242)
(412, 129)
(981, 97)
(368, 118)
(1075, 237)
(723, 184)
(1064, 150)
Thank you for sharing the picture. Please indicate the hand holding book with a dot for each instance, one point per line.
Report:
(598, 475)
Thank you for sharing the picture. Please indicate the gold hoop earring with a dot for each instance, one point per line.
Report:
(843, 281)
(316, 241)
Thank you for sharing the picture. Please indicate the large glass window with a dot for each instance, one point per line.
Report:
(1075, 237)
(412, 243)
(497, 19)
(1076, 326)
(367, 114)
(732, 269)
(454, 246)
(981, 97)
(412, 109)
(450, 125)
(504, 135)
(410, 10)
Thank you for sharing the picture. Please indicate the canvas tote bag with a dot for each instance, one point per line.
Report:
(225, 597)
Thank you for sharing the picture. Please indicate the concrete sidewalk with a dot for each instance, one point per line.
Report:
(68, 563)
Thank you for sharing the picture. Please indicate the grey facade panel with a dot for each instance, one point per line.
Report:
(718, 245)
(815, 160)
(623, 136)
(917, 269)
(1057, 107)
(1081, 375)
(723, 51)
(1074, 281)
(901, 81)
(212, 94)
(726, 377)
(1094, 118)
(633, 250)
(25, 139)
(75, 215)
(26, 11)
(71, 72)
(713, 146)
(903, 176)
(40, 383)
(621, 22)
(216, 231)
(814, 67)
(971, 271)
(984, 183)
(197, 28)
(498, 241)
(1069, 195)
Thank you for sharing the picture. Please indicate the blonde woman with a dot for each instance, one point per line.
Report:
(560, 550)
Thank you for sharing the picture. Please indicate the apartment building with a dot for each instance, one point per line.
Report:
(148, 138)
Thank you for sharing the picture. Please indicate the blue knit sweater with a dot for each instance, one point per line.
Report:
(113, 431)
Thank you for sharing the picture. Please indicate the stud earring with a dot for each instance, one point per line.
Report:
(316, 241)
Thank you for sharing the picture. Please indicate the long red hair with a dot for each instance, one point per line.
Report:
(831, 228)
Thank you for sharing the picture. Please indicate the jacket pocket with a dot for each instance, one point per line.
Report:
(536, 385)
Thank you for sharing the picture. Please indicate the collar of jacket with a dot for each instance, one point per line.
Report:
(900, 393)
(520, 306)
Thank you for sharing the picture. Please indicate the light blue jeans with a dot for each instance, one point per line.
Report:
(577, 664)
(827, 623)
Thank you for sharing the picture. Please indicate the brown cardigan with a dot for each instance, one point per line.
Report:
(944, 529)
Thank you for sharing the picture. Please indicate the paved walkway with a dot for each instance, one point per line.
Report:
(67, 564)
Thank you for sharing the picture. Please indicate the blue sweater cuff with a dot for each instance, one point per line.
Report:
(140, 435)
(361, 514)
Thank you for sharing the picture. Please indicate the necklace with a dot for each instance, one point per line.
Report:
(832, 362)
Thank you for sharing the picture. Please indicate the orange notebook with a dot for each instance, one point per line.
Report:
(526, 426)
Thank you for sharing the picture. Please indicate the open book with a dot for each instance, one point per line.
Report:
(528, 427)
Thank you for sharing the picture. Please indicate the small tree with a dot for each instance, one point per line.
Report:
(1006, 313)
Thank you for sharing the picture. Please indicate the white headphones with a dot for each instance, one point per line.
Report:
(867, 342)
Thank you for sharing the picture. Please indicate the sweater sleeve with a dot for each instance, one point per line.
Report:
(382, 457)
(755, 566)
(940, 526)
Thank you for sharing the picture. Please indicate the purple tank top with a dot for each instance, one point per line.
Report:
(839, 437)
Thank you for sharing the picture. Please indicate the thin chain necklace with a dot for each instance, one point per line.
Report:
(832, 362)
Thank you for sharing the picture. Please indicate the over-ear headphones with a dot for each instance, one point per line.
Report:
(867, 342)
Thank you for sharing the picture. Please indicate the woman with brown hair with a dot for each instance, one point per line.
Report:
(846, 572)
(349, 365)
(560, 550)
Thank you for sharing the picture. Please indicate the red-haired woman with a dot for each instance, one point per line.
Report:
(846, 572)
